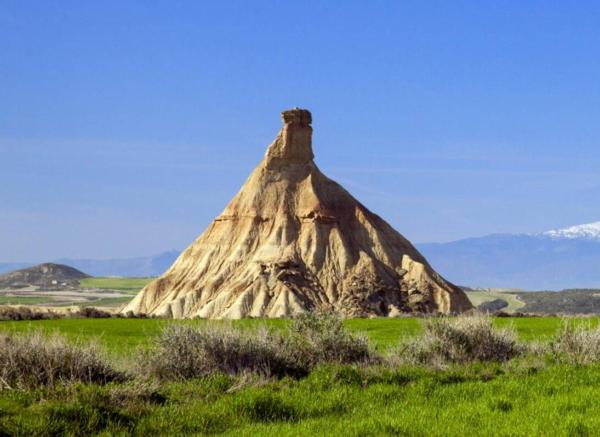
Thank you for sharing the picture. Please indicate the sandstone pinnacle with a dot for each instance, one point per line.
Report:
(293, 241)
(293, 144)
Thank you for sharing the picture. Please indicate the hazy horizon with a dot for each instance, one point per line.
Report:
(125, 129)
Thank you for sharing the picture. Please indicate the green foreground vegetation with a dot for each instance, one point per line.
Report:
(120, 336)
(529, 395)
(333, 400)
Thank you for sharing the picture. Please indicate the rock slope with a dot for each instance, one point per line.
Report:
(293, 241)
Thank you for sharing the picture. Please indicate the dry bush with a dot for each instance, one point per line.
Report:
(576, 344)
(25, 313)
(183, 351)
(32, 360)
(316, 338)
(459, 340)
(10, 313)
(91, 313)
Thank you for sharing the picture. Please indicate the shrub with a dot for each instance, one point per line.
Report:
(183, 351)
(25, 313)
(32, 360)
(576, 344)
(91, 313)
(460, 340)
(31, 313)
(316, 338)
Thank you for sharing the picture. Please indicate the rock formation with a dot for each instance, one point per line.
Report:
(293, 241)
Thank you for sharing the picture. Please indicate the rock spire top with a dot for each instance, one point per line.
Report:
(293, 144)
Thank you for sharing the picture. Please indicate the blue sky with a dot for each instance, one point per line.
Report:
(125, 127)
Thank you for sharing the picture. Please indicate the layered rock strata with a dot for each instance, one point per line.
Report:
(292, 241)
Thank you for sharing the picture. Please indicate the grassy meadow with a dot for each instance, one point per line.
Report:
(23, 300)
(121, 335)
(529, 395)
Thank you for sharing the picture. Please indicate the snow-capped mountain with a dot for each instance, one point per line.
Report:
(588, 231)
(551, 260)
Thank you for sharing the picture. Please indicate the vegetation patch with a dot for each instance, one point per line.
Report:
(190, 351)
(130, 285)
(24, 300)
(34, 360)
(62, 386)
(183, 352)
(577, 301)
(577, 344)
(460, 340)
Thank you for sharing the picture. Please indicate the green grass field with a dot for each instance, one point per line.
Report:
(130, 285)
(24, 300)
(121, 335)
(334, 400)
(523, 397)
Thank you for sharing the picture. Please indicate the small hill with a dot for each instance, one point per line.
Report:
(574, 301)
(492, 306)
(44, 276)
(570, 301)
(479, 297)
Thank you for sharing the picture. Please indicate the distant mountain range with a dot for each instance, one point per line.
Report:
(133, 267)
(552, 260)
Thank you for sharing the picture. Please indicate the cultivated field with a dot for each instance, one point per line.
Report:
(130, 285)
(512, 298)
(541, 390)
(109, 293)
